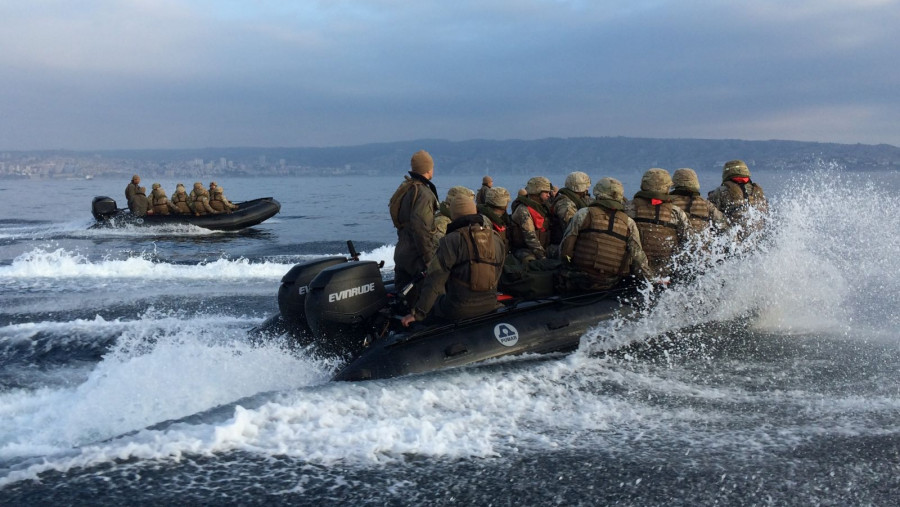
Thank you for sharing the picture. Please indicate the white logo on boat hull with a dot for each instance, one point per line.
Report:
(506, 334)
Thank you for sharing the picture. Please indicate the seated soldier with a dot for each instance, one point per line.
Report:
(219, 202)
(180, 201)
(160, 203)
(602, 245)
(461, 280)
(442, 215)
(196, 192)
(686, 195)
(571, 198)
(529, 237)
(664, 227)
(201, 204)
(740, 199)
(496, 199)
(140, 205)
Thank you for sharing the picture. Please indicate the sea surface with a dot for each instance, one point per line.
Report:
(128, 375)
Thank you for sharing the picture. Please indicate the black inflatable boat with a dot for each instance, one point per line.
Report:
(342, 308)
(248, 214)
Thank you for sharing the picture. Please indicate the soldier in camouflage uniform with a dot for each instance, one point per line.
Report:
(219, 202)
(530, 222)
(602, 245)
(140, 205)
(738, 195)
(686, 195)
(462, 277)
(180, 200)
(442, 215)
(664, 227)
(412, 210)
(131, 188)
(486, 183)
(496, 200)
(200, 201)
(571, 198)
(160, 203)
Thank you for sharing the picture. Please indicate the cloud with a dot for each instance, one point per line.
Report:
(168, 73)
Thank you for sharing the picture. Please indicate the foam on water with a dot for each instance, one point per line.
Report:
(813, 272)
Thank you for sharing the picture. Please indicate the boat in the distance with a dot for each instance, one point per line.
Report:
(248, 214)
(340, 307)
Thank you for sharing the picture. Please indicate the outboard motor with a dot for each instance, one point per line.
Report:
(341, 306)
(292, 294)
(103, 208)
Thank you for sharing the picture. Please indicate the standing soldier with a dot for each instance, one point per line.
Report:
(664, 227)
(496, 199)
(486, 183)
(412, 210)
(602, 245)
(463, 275)
(737, 195)
(442, 215)
(571, 198)
(530, 222)
(686, 195)
(131, 189)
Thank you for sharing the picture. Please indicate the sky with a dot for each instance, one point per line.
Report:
(134, 74)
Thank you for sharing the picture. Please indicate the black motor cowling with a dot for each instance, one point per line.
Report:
(292, 293)
(103, 208)
(341, 303)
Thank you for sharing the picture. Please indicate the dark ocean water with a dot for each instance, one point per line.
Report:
(127, 374)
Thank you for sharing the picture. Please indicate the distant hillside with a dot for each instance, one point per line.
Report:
(591, 154)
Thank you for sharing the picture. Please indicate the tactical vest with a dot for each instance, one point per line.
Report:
(602, 244)
(557, 225)
(741, 196)
(659, 232)
(216, 202)
(696, 208)
(180, 201)
(484, 265)
(541, 230)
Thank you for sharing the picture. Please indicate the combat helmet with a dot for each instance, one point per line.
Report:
(497, 197)
(578, 181)
(656, 180)
(735, 168)
(686, 178)
(609, 188)
(459, 191)
(537, 185)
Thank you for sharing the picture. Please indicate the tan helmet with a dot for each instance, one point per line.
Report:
(421, 162)
(497, 197)
(198, 185)
(735, 168)
(459, 190)
(487, 180)
(218, 190)
(522, 192)
(142, 190)
(135, 179)
(461, 206)
(179, 187)
(686, 178)
(578, 181)
(537, 185)
(155, 186)
(656, 180)
(609, 188)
